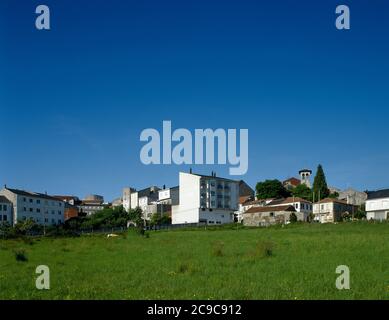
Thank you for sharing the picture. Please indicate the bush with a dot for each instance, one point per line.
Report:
(218, 249)
(263, 249)
(293, 218)
(21, 256)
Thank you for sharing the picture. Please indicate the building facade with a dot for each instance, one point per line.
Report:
(332, 210)
(304, 208)
(5, 210)
(205, 199)
(266, 216)
(377, 205)
(41, 208)
(353, 196)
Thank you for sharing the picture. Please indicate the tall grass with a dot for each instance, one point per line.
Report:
(290, 262)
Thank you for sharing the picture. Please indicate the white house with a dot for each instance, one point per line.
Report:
(377, 205)
(5, 210)
(331, 210)
(205, 199)
(303, 207)
(41, 208)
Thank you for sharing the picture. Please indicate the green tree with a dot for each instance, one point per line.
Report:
(320, 187)
(302, 191)
(293, 218)
(271, 189)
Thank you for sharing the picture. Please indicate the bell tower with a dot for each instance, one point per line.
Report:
(305, 176)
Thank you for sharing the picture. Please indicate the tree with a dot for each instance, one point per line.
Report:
(271, 189)
(302, 191)
(320, 188)
(293, 218)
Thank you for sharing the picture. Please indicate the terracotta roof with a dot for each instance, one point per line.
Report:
(295, 199)
(244, 199)
(332, 200)
(293, 181)
(270, 209)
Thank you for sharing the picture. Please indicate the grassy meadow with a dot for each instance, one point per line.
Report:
(295, 262)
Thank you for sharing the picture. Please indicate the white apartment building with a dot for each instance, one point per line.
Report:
(39, 207)
(5, 210)
(377, 205)
(205, 199)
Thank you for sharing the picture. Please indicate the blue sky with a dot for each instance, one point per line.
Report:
(74, 99)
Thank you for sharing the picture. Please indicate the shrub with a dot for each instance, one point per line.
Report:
(218, 249)
(21, 256)
(293, 218)
(263, 249)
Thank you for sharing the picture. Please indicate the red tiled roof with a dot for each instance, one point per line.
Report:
(270, 209)
(293, 181)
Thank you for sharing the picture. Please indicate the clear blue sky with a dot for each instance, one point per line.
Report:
(74, 99)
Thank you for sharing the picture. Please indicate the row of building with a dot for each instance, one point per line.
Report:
(198, 199)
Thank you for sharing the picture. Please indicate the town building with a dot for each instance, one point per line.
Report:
(133, 199)
(5, 210)
(205, 199)
(170, 196)
(377, 205)
(71, 206)
(291, 183)
(39, 207)
(353, 196)
(118, 202)
(91, 204)
(331, 210)
(305, 176)
(304, 208)
(268, 215)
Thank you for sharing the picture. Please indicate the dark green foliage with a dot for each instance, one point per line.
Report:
(271, 189)
(302, 191)
(320, 187)
(293, 218)
(156, 219)
(20, 255)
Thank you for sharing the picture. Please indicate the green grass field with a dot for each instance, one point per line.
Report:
(295, 262)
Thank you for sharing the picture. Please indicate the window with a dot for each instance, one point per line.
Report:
(38, 201)
(59, 221)
(52, 212)
(272, 214)
(5, 218)
(31, 209)
(5, 207)
(24, 199)
(46, 220)
(60, 204)
(38, 210)
(30, 200)
(24, 209)
(59, 212)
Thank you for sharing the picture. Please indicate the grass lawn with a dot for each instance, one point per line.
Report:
(294, 262)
